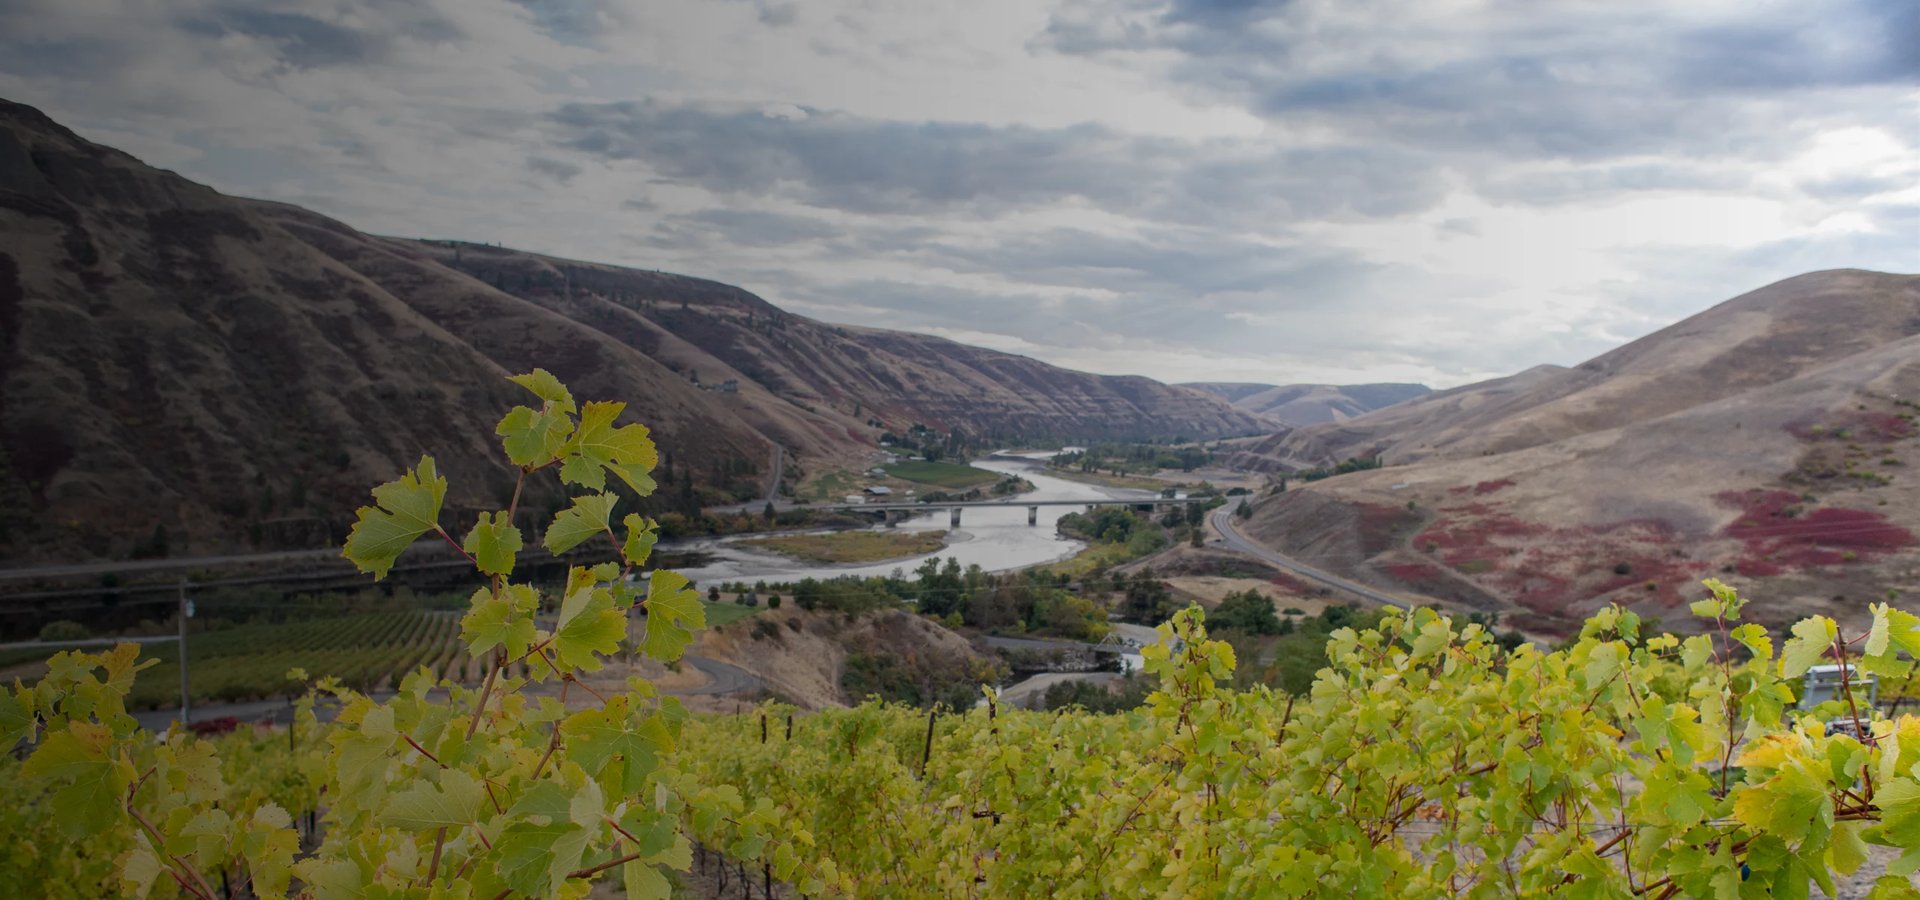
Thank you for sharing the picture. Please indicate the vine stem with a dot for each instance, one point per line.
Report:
(480, 706)
(595, 870)
(204, 890)
(455, 544)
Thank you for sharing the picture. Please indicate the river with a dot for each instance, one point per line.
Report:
(995, 539)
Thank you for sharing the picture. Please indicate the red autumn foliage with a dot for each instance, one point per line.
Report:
(1779, 535)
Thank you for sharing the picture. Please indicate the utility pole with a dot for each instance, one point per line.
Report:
(186, 609)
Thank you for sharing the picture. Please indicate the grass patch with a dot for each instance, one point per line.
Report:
(1094, 558)
(829, 487)
(728, 612)
(1134, 482)
(939, 474)
(852, 546)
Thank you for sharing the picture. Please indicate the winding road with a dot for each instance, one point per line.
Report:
(723, 678)
(1232, 539)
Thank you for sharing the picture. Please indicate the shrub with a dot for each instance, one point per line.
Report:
(64, 630)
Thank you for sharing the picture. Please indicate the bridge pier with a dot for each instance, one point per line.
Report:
(954, 522)
(1033, 515)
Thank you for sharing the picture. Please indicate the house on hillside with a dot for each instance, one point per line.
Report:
(879, 490)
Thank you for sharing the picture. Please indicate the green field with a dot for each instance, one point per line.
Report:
(852, 546)
(946, 475)
(250, 662)
(726, 612)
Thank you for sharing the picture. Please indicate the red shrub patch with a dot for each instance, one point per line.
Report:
(1290, 583)
(1779, 534)
(1561, 571)
(1488, 487)
(1381, 527)
(1414, 572)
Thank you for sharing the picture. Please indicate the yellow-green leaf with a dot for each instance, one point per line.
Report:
(493, 543)
(585, 518)
(673, 615)
(407, 508)
(1812, 638)
(543, 385)
(502, 621)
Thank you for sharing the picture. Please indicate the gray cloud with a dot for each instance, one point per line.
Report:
(844, 162)
(555, 169)
(1325, 193)
(305, 40)
(1569, 80)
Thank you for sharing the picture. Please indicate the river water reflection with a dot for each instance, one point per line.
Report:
(996, 539)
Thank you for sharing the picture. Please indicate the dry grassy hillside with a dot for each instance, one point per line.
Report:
(233, 374)
(1783, 466)
(863, 375)
(1300, 405)
(239, 373)
(1759, 338)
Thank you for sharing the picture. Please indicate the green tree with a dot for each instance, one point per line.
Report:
(1249, 611)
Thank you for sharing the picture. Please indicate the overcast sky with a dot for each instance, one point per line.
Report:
(1261, 190)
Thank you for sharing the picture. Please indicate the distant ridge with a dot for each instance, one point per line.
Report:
(1301, 405)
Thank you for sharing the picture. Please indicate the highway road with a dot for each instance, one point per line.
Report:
(1232, 539)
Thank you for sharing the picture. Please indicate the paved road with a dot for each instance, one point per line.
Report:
(1008, 643)
(1240, 543)
(155, 565)
(779, 469)
(723, 678)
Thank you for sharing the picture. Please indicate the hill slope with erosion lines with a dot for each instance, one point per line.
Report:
(1769, 442)
(217, 374)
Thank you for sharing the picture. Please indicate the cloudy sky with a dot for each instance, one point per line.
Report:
(1268, 190)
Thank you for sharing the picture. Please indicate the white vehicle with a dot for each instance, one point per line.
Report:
(1822, 683)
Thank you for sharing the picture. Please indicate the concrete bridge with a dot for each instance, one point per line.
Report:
(1033, 506)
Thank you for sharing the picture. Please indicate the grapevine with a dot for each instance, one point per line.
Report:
(1424, 760)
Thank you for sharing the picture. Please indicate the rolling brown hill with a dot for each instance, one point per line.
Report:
(1300, 405)
(1768, 441)
(236, 373)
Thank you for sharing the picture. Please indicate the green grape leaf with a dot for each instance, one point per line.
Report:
(1755, 638)
(1893, 630)
(493, 543)
(674, 613)
(138, 869)
(503, 621)
(269, 844)
(584, 472)
(644, 882)
(598, 444)
(17, 721)
(203, 835)
(1788, 804)
(424, 806)
(533, 438)
(589, 625)
(534, 859)
(614, 738)
(636, 477)
(641, 535)
(91, 783)
(585, 518)
(1812, 638)
(543, 385)
(408, 508)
